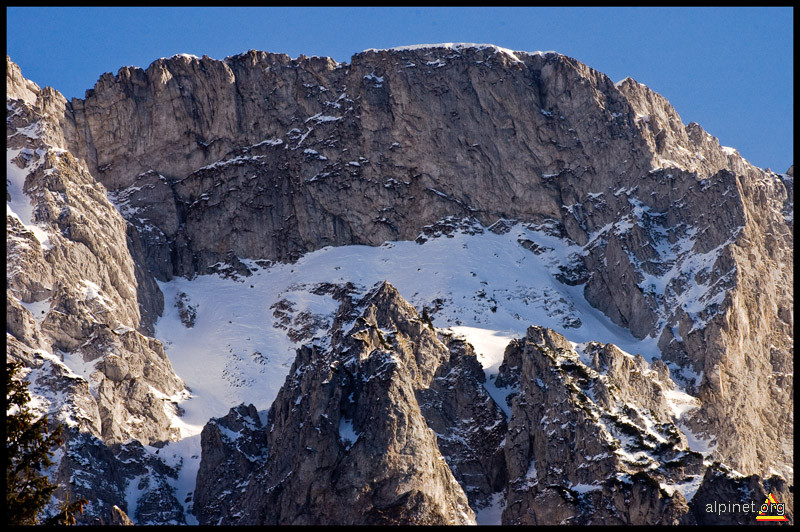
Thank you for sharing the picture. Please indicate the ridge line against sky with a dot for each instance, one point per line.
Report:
(729, 69)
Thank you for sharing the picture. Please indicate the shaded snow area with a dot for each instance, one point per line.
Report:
(347, 432)
(19, 164)
(492, 514)
(237, 350)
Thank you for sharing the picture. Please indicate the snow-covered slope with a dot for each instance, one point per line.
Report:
(480, 284)
(486, 287)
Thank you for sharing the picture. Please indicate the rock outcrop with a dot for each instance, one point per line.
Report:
(592, 436)
(721, 498)
(78, 291)
(595, 435)
(346, 441)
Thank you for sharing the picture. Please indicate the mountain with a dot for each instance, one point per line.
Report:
(588, 302)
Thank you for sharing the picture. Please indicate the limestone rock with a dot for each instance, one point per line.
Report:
(233, 448)
(591, 438)
(470, 428)
(75, 293)
(73, 253)
(400, 139)
(112, 478)
(119, 518)
(192, 164)
(346, 441)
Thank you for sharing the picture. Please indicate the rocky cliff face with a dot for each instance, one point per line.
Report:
(396, 140)
(192, 164)
(75, 292)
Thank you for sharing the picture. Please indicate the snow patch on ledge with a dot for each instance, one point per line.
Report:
(733, 152)
(687, 488)
(628, 78)
(182, 55)
(458, 47)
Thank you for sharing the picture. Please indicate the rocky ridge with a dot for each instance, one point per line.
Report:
(593, 437)
(346, 440)
(75, 292)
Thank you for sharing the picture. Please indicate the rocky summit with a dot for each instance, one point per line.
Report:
(441, 284)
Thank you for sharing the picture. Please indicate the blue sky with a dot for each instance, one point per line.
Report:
(729, 69)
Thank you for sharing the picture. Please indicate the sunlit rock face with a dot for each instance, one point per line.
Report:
(80, 308)
(193, 165)
(346, 441)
